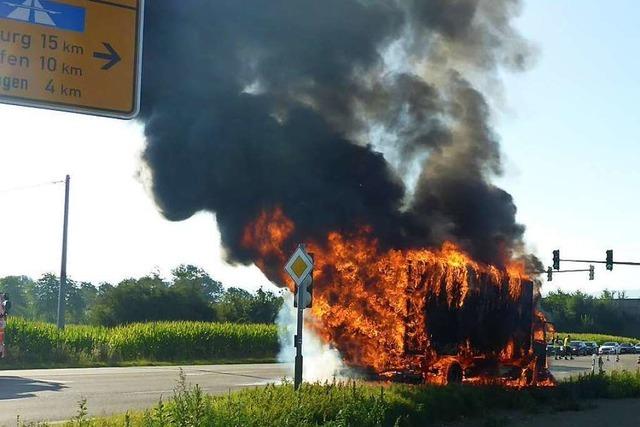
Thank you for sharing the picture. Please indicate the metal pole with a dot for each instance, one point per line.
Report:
(297, 378)
(572, 271)
(63, 267)
(600, 262)
(302, 289)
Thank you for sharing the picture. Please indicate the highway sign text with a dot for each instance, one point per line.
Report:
(72, 55)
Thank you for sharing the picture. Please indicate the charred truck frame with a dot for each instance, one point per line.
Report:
(486, 331)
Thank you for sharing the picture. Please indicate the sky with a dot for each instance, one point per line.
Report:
(570, 132)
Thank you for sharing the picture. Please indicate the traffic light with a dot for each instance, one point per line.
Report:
(549, 274)
(304, 293)
(609, 260)
(592, 272)
(556, 259)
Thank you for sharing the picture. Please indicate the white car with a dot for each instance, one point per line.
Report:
(609, 348)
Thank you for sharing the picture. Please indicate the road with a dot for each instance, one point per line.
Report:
(51, 395)
(582, 364)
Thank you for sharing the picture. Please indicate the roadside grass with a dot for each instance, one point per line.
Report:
(351, 403)
(42, 345)
(599, 338)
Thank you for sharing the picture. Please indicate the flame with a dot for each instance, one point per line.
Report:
(376, 305)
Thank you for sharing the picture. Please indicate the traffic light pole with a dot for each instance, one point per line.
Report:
(600, 262)
(297, 376)
(300, 269)
(584, 270)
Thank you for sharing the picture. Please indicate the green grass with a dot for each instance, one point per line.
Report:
(34, 344)
(361, 404)
(599, 338)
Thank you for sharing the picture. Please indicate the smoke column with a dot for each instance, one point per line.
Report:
(341, 112)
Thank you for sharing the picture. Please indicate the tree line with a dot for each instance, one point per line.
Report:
(189, 294)
(581, 312)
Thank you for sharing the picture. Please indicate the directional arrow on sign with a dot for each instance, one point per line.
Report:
(112, 56)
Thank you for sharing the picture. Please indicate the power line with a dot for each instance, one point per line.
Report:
(30, 187)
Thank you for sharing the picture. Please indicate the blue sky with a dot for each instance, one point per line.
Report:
(571, 136)
(570, 131)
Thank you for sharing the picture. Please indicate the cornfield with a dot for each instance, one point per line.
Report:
(34, 342)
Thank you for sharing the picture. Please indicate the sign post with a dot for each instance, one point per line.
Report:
(300, 268)
(82, 56)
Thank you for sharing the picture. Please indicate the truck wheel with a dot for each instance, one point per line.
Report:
(454, 373)
(527, 376)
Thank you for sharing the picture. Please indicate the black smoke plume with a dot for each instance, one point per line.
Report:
(341, 112)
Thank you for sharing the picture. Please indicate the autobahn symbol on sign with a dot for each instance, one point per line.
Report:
(72, 55)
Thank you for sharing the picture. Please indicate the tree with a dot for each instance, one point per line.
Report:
(580, 312)
(20, 290)
(79, 298)
(266, 306)
(46, 298)
(235, 306)
(195, 279)
(240, 306)
(148, 299)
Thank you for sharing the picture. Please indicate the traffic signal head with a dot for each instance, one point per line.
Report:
(609, 260)
(304, 294)
(549, 274)
(592, 272)
(556, 259)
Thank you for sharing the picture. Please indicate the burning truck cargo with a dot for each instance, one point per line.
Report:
(417, 315)
(364, 129)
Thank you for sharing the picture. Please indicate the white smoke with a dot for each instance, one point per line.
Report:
(321, 362)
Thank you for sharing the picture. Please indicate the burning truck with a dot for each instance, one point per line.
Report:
(480, 327)
(417, 315)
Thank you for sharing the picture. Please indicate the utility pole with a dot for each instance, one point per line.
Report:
(63, 267)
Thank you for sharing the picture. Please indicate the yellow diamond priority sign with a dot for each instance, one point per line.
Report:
(72, 55)
(300, 265)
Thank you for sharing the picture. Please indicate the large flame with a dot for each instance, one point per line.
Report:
(376, 306)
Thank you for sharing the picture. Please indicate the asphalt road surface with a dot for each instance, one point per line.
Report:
(562, 368)
(52, 395)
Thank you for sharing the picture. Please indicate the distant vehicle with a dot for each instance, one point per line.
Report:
(578, 348)
(626, 349)
(637, 348)
(609, 348)
(592, 347)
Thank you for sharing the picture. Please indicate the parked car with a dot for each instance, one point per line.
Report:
(578, 348)
(609, 348)
(637, 348)
(592, 347)
(626, 349)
